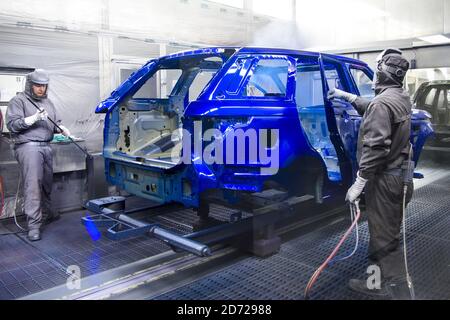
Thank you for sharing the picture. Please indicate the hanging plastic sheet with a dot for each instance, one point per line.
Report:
(73, 64)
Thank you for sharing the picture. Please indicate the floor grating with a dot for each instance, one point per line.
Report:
(27, 268)
(284, 276)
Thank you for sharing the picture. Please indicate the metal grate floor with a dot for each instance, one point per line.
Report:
(284, 276)
(27, 268)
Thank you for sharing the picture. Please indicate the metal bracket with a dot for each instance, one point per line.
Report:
(122, 226)
(110, 213)
(236, 216)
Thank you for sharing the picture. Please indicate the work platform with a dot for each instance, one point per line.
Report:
(39, 270)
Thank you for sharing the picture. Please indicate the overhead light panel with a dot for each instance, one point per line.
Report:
(436, 39)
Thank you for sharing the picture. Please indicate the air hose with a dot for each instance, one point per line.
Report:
(2, 196)
(14, 212)
(408, 176)
(2, 204)
(356, 215)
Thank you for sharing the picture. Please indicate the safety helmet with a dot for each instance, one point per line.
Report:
(39, 76)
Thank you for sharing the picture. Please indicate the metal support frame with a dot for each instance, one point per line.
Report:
(110, 213)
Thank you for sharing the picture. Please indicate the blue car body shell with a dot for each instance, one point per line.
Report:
(318, 141)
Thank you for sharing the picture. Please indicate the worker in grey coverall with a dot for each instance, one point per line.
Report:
(383, 146)
(32, 133)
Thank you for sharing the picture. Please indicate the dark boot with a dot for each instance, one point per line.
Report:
(360, 286)
(50, 217)
(399, 290)
(34, 235)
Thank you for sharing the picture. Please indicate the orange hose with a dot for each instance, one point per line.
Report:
(316, 274)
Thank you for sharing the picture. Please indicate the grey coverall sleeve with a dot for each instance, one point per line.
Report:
(376, 139)
(15, 117)
(361, 105)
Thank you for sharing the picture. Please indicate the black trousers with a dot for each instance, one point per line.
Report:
(384, 202)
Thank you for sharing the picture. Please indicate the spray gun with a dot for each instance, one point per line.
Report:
(59, 128)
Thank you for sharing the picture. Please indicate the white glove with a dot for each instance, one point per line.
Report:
(339, 94)
(65, 131)
(38, 116)
(357, 188)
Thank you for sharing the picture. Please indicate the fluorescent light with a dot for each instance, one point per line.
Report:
(436, 39)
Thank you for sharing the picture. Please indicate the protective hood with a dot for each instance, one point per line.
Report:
(391, 72)
(38, 76)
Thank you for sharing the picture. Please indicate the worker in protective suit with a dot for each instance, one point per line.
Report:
(32, 133)
(383, 146)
